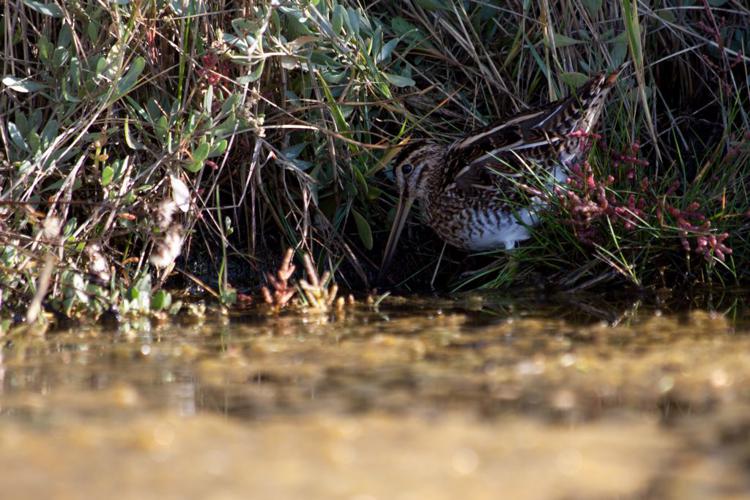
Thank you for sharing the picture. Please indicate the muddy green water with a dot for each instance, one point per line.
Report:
(424, 399)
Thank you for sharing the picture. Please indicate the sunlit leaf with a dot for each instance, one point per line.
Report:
(385, 52)
(129, 139)
(199, 156)
(218, 149)
(201, 152)
(208, 98)
(108, 173)
(127, 81)
(108, 67)
(16, 137)
(48, 9)
(398, 80)
(23, 85)
(161, 300)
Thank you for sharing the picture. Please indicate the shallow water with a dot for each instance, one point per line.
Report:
(477, 397)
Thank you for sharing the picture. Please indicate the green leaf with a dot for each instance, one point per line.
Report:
(141, 294)
(108, 173)
(574, 79)
(228, 296)
(562, 41)
(161, 127)
(592, 6)
(338, 19)
(23, 85)
(59, 57)
(292, 152)
(409, 32)
(48, 9)
(433, 5)
(352, 21)
(398, 80)
(218, 148)
(199, 156)
(667, 15)
(201, 152)
(253, 75)
(127, 81)
(161, 300)
(45, 48)
(50, 131)
(70, 227)
(16, 137)
(22, 123)
(634, 34)
(334, 78)
(363, 228)
(32, 138)
(385, 52)
(208, 99)
(108, 68)
(131, 142)
(227, 127)
(65, 38)
(333, 106)
(230, 103)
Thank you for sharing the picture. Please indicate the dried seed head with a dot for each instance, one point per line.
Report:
(164, 213)
(98, 265)
(167, 248)
(51, 228)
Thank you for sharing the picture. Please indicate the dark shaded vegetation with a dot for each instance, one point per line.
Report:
(149, 139)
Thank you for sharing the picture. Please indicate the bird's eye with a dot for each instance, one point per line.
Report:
(406, 169)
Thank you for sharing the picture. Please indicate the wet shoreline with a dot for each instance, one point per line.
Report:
(421, 398)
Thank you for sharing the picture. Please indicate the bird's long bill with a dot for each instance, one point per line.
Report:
(402, 211)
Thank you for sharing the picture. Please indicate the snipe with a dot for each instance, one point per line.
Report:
(470, 190)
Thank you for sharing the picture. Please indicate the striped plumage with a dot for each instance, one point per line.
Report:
(470, 190)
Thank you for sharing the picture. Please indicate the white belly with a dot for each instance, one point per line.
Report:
(491, 232)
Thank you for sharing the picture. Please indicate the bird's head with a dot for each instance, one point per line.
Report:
(416, 158)
(412, 167)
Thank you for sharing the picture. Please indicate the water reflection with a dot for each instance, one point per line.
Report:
(598, 397)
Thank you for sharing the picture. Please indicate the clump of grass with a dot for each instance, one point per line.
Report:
(268, 124)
